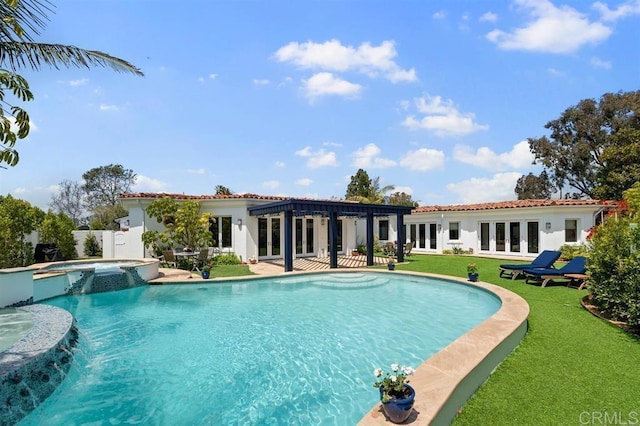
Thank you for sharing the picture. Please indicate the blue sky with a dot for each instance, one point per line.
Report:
(292, 97)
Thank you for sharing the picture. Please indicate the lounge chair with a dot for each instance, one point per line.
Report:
(545, 259)
(576, 266)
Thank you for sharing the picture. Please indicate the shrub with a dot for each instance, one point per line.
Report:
(362, 249)
(614, 268)
(91, 246)
(568, 252)
(227, 259)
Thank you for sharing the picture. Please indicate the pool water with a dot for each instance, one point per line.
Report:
(293, 350)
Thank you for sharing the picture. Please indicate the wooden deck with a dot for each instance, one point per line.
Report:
(322, 263)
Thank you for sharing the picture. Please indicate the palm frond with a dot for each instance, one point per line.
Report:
(19, 19)
(18, 55)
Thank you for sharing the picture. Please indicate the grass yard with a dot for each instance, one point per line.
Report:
(225, 271)
(571, 367)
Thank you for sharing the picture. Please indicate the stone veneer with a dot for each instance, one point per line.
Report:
(33, 367)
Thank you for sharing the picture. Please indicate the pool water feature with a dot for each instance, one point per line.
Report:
(98, 276)
(297, 349)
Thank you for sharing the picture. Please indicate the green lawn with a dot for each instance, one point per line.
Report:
(571, 367)
(224, 271)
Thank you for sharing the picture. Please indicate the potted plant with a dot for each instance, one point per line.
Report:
(391, 263)
(472, 272)
(396, 395)
(206, 270)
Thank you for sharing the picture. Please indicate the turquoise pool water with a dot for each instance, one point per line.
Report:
(293, 350)
(14, 325)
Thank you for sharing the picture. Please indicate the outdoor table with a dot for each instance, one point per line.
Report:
(190, 256)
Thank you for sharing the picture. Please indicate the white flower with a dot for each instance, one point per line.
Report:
(407, 370)
(393, 379)
(394, 367)
(377, 372)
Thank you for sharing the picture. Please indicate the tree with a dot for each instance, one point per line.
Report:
(103, 185)
(18, 219)
(104, 217)
(594, 146)
(401, 199)
(223, 190)
(70, 201)
(364, 190)
(532, 187)
(184, 225)
(57, 229)
(360, 186)
(21, 19)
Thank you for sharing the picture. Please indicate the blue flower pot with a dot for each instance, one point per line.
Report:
(473, 277)
(399, 410)
(205, 275)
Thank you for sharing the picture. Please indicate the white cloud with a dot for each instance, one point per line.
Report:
(555, 72)
(406, 189)
(439, 15)
(489, 17)
(519, 157)
(332, 55)
(441, 117)
(331, 144)
(105, 107)
(318, 158)
(270, 184)
(79, 82)
(213, 76)
(147, 184)
(260, 82)
(599, 63)
(280, 164)
(304, 182)
(369, 158)
(500, 186)
(423, 159)
(325, 83)
(624, 10)
(551, 29)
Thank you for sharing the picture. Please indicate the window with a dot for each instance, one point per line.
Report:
(532, 237)
(454, 230)
(221, 231)
(383, 229)
(570, 231)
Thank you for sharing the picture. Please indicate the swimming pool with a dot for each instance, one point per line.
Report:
(293, 350)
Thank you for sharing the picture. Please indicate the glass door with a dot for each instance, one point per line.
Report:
(514, 237)
(501, 236)
(485, 237)
(269, 236)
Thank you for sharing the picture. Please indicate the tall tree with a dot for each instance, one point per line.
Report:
(70, 201)
(103, 185)
(223, 190)
(532, 187)
(594, 146)
(20, 20)
(57, 229)
(360, 186)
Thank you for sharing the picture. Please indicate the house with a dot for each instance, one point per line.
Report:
(508, 228)
(246, 227)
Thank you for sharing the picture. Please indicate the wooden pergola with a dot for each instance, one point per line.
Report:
(332, 210)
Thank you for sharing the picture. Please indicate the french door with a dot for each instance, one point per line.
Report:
(500, 237)
(304, 237)
(269, 237)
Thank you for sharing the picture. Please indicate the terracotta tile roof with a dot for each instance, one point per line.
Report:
(515, 204)
(155, 195)
(158, 195)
